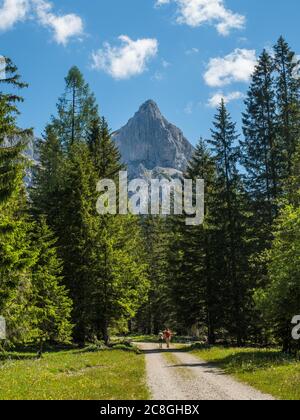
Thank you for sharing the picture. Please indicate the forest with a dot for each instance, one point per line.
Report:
(69, 275)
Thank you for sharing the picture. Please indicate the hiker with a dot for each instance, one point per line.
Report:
(168, 337)
(161, 339)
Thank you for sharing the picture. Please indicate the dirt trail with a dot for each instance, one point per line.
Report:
(176, 375)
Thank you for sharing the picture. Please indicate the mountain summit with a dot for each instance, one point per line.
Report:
(148, 142)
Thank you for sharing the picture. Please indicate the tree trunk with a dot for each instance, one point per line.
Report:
(105, 334)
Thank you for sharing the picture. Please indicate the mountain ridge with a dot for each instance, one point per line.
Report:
(150, 143)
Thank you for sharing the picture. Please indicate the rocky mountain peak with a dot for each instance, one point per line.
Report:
(150, 109)
(148, 141)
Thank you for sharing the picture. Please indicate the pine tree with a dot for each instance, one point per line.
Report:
(76, 109)
(230, 219)
(49, 305)
(279, 302)
(65, 192)
(261, 156)
(104, 153)
(76, 228)
(194, 283)
(287, 86)
(48, 177)
(119, 283)
(157, 312)
(12, 139)
(203, 166)
(16, 255)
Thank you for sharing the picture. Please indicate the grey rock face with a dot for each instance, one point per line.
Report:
(149, 143)
(30, 153)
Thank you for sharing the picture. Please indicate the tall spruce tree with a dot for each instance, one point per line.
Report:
(75, 109)
(230, 218)
(279, 301)
(119, 282)
(157, 312)
(49, 305)
(202, 166)
(12, 138)
(76, 229)
(104, 153)
(48, 177)
(65, 192)
(193, 259)
(261, 156)
(16, 253)
(287, 87)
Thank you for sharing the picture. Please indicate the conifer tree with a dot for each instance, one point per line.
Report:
(48, 177)
(16, 254)
(287, 87)
(49, 305)
(104, 153)
(203, 166)
(119, 283)
(158, 310)
(76, 230)
(75, 109)
(230, 218)
(12, 138)
(279, 301)
(261, 156)
(193, 259)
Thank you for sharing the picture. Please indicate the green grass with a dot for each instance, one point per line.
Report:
(74, 375)
(269, 371)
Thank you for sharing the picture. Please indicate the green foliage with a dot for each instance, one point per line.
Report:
(230, 221)
(12, 139)
(50, 307)
(16, 255)
(261, 154)
(280, 301)
(102, 256)
(104, 154)
(76, 109)
(125, 272)
(193, 283)
(158, 311)
(287, 85)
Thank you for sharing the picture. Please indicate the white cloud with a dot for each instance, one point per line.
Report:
(11, 12)
(165, 64)
(127, 60)
(198, 12)
(161, 2)
(158, 76)
(192, 51)
(215, 100)
(64, 27)
(237, 66)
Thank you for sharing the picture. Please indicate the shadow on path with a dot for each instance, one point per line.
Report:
(162, 351)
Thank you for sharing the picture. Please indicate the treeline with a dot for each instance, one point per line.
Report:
(68, 274)
(236, 278)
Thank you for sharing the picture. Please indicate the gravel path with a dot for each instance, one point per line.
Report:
(174, 375)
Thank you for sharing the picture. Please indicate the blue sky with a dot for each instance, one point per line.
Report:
(184, 54)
